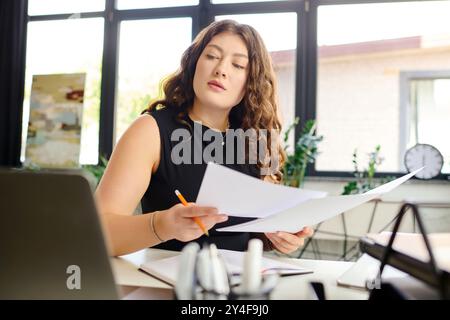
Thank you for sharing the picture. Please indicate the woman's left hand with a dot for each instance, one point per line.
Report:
(289, 242)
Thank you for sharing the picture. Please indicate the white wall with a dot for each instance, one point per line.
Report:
(358, 104)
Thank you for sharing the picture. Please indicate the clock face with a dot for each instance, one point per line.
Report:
(424, 155)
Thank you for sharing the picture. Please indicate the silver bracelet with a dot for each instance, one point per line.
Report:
(152, 223)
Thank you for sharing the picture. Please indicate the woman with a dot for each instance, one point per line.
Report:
(225, 81)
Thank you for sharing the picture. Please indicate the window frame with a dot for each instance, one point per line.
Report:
(112, 19)
(311, 91)
(202, 15)
(405, 91)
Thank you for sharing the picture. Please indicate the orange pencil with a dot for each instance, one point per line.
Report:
(196, 219)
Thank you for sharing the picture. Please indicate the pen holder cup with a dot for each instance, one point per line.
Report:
(268, 283)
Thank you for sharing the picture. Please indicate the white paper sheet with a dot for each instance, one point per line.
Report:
(308, 212)
(237, 194)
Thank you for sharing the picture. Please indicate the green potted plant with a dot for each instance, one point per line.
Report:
(364, 180)
(305, 151)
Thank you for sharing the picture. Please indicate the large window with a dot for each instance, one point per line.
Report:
(143, 64)
(67, 36)
(363, 49)
(68, 46)
(47, 7)
(371, 73)
(425, 101)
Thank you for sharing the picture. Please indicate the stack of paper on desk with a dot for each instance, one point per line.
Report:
(277, 207)
(166, 269)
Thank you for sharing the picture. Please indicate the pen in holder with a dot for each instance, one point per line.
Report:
(254, 285)
(186, 283)
(203, 275)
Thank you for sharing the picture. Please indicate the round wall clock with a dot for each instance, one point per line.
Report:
(424, 155)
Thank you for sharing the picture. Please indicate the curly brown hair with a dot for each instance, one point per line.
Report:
(259, 107)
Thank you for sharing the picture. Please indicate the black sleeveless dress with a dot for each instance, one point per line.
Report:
(187, 178)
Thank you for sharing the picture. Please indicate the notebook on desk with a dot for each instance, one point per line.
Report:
(166, 269)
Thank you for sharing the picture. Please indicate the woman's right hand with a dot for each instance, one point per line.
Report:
(178, 223)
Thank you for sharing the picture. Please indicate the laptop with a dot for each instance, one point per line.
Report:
(51, 240)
